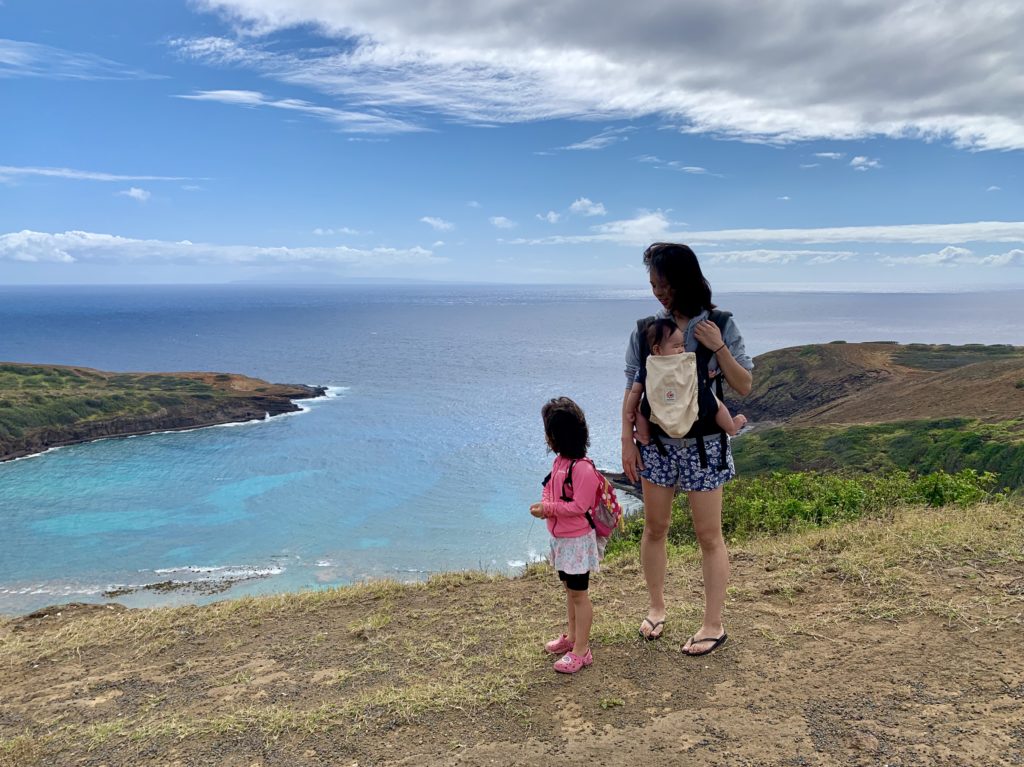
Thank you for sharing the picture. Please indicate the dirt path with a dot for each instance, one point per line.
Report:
(900, 644)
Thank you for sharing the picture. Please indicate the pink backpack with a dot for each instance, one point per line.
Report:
(605, 514)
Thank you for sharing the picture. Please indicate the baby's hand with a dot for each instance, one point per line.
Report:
(537, 509)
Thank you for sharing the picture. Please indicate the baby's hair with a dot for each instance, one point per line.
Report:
(659, 331)
(565, 426)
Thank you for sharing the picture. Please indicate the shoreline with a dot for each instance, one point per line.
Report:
(25, 455)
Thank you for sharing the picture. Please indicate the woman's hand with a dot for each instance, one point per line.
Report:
(632, 465)
(537, 509)
(708, 334)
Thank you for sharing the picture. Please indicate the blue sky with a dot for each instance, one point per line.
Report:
(812, 145)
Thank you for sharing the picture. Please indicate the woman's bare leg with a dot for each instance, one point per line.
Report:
(653, 554)
(706, 508)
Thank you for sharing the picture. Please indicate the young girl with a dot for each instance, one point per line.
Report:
(664, 337)
(569, 491)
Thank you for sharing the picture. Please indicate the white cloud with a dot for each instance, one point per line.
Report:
(91, 247)
(81, 175)
(994, 188)
(830, 155)
(438, 223)
(784, 198)
(22, 59)
(864, 163)
(656, 161)
(136, 194)
(957, 256)
(586, 207)
(810, 165)
(762, 256)
(473, 204)
(503, 223)
(647, 227)
(824, 72)
(1013, 257)
(605, 138)
(343, 119)
(335, 230)
(551, 217)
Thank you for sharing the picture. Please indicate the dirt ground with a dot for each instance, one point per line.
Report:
(902, 646)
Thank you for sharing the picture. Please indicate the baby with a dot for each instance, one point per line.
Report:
(663, 338)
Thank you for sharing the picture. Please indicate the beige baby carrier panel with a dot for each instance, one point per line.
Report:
(671, 391)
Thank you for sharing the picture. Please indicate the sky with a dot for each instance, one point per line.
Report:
(796, 145)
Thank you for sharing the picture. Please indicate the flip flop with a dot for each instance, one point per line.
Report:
(716, 642)
(650, 636)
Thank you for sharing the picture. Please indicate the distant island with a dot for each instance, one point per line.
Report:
(47, 406)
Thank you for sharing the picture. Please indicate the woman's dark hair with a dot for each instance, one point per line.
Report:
(565, 427)
(678, 266)
(658, 331)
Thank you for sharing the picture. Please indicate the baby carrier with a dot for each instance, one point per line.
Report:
(678, 396)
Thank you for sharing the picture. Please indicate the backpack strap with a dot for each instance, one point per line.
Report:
(587, 513)
(567, 483)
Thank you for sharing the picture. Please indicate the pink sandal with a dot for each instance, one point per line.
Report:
(570, 663)
(560, 645)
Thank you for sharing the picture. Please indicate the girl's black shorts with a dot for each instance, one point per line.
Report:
(575, 581)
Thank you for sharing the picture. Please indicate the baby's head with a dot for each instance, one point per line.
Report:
(565, 427)
(665, 337)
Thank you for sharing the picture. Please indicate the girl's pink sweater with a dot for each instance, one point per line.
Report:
(566, 518)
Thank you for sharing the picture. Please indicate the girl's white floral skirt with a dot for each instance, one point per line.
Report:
(575, 556)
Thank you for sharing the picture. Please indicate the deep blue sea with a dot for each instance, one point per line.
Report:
(424, 458)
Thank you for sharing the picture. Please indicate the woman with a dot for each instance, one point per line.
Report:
(685, 295)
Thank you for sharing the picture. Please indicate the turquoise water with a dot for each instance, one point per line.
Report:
(425, 456)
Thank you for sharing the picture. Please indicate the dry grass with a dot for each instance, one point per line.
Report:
(368, 658)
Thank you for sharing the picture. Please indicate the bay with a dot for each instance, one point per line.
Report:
(424, 458)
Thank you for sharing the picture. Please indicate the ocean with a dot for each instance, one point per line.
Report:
(424, 458)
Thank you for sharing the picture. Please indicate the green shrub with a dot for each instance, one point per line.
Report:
(948, 444)
(784, 502)
(961, 489)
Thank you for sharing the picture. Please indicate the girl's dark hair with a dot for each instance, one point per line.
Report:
(678, 266)
(565, 427)
(658, 331)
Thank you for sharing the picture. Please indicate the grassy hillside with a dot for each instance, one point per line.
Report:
(878, 407)
(43, 406)
(872, 382)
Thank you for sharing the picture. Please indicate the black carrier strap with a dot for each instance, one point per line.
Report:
(707, 426)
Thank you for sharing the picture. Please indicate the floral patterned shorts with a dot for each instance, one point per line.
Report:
(681, 467)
